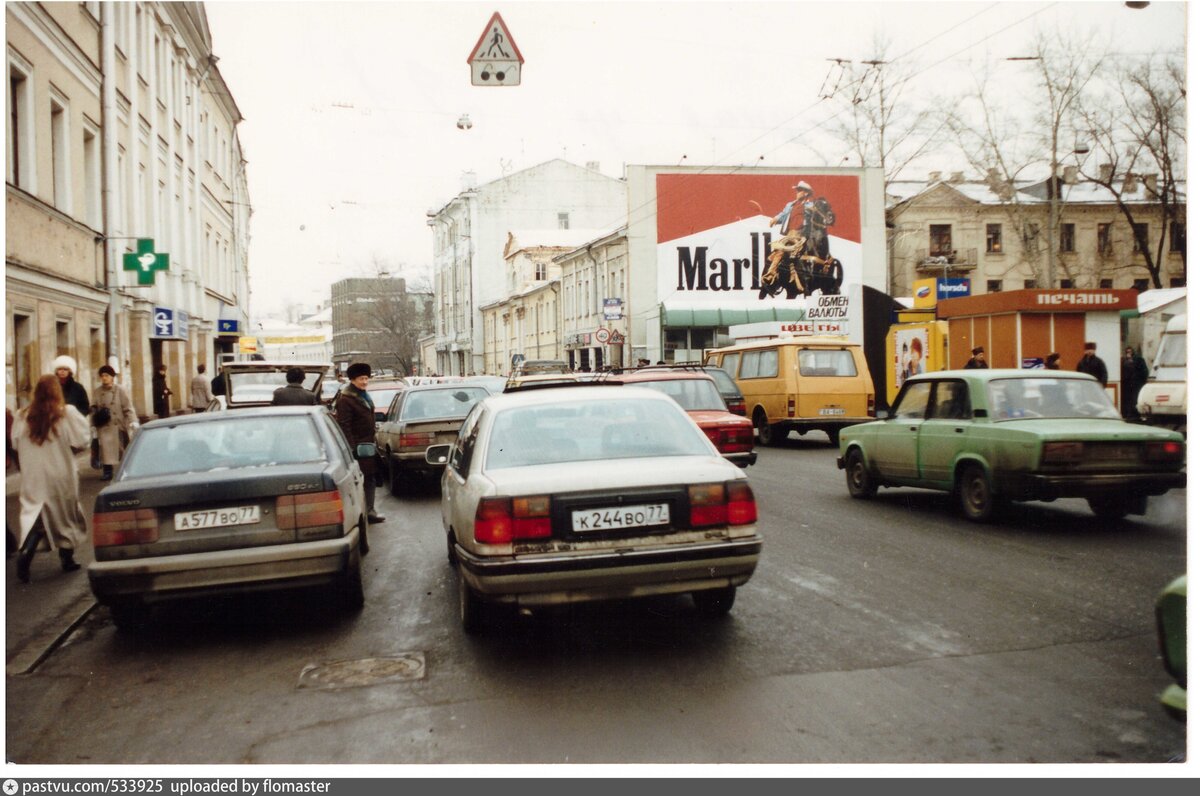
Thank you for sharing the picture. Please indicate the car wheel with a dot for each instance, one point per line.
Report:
(395, 476)
(768, 434)
(975, 495)
(130, 616)
(858, 478)
(350, 590)
(470, 607)
(714, 602)
(1116, 507)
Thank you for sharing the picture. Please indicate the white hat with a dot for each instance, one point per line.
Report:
(65, 362)
(803, 186)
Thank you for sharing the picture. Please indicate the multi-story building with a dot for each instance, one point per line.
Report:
(470, 233)
(121, 129)
(595, 296)
(994, 235)
(377, 321)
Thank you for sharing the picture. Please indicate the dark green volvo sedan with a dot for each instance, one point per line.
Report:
(993, 436)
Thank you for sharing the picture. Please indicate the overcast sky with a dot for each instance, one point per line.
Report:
(351, 107)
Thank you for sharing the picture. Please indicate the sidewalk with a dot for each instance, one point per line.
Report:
(39, 612)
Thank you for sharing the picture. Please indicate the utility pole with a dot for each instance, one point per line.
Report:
(108, 91)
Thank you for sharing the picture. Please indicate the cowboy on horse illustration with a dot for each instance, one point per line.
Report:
(800, 262)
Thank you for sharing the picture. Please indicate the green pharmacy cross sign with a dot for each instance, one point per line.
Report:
(146, 261)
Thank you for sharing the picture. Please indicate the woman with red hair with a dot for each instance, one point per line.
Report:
(47, 434)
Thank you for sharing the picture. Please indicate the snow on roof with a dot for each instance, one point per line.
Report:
(1026, 192)
(1151, 300)
(552, 238)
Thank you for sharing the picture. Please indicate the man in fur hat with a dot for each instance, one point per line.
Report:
(356, 416)
(73, 392)
(976, 361)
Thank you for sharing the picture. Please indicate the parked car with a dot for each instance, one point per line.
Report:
(991, 436)
(540, 381)
(735, 402)
(1170, 614)
(418, 418)
(227, 503)
(382, 392)
(592, 493)
(697, 393)
(529, 367)
(493, 384)
(253, 383)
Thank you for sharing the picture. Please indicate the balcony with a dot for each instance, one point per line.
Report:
(940, 262)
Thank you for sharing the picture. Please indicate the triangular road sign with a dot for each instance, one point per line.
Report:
(495, 59)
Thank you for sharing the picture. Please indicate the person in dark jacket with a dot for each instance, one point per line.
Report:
(1093, 364)
(162, 393)
(1134, 375)
(355, 413)
(976, 361)
(294, 394)
(218, 382)
(1052, 362)
(73, 392)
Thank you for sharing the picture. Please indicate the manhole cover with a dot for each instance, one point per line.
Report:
(364, 671)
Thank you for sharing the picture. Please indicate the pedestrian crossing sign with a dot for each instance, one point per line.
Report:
(495, 59)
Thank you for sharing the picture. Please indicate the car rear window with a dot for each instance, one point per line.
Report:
(827, 362)
(592, 431)
(224, 443)
(1049, 397)
(692, 394)
(259, 386)
(432, 404)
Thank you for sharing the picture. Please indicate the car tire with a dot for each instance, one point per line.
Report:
(1116, 507)
(714, 602)
(859, 481)
(395, 476)
(350, 590)
(975, 496)
(768, 434)
(470, 608)
(130, 616)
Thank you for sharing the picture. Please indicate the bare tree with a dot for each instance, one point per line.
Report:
(1139, 131)
(395, 319)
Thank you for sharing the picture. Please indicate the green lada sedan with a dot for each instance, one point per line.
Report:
(993, 436)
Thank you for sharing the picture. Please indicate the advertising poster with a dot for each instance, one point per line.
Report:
(912, 353)
(752, 240)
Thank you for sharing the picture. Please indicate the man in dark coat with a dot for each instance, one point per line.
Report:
(976, 361)
(74, 393)
(355, 413)
(1134, 375)
(294, 394)
(162, 393)
(218, 382)
(1093, 364)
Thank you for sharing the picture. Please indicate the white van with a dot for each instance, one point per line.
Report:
(1163, 401)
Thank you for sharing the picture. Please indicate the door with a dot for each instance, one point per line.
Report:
(895, 449)
(944, 433)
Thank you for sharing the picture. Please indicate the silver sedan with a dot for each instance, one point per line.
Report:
(586, 493)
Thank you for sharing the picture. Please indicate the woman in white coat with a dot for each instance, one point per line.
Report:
(46, 435)
(112, 397)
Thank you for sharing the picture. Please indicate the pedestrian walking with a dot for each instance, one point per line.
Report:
(1134, 375)
(977, 360)
(294, 393)
(218, 382)
(1092, 364)
(73, 392)
(201, 395)
(47, 434)
(1052, 362)
(355, 413)
(114, 420)
(162, 393)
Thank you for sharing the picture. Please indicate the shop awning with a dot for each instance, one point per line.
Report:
(724, 316)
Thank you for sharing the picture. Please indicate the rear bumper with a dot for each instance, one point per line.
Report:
(225, 571)
(802, 424)
(741, 459)
(558, 579)
(414, 462)
(1028, 486)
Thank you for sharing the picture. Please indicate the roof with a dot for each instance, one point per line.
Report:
(551, 238)
(1033, 192)
(1153, 300)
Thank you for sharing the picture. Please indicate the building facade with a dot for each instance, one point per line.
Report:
(377, 321)
(471, 232)
(994, 236)
(595, 299)
(121, 129)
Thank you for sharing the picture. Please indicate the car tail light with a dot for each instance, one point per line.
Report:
(730, 503)
(736, 406)
(791, 406)
(421, 439)
(293, 512)
(1062, 452)
(138, 526)
(500, 520)
(1169, 451)
(735, 440)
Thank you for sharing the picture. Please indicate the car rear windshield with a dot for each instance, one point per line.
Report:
(592, 431)
(827, 362)
(691, 394)
(224, 443)
(433, 404)
(1033, 397)
(260, 385)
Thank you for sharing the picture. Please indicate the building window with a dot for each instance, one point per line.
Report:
(995, 285)
(1066, 284)
(1066, 237)
(20, 128)
(1104, 238)
(940, 240)
(1141, 238)
(60, 155)
(1030, 284)
(564, 220)
(1030, 237)
(62, 337)
(1106, 284)
(21, 353)
(995, 242)
(1178, 236)
(539, 270)
(1141, 285)
(91, 176)
(1178, 281)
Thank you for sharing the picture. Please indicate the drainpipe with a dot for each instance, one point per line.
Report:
(108, 101)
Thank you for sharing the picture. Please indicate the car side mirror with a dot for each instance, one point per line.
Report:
(364, 450)
(437, 454)
(980, 413)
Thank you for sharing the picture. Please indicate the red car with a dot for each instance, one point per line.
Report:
(697, 393)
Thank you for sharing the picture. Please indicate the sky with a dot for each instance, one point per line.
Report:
(351, 108)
